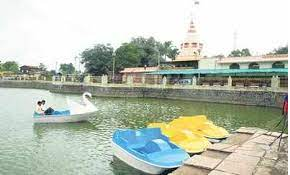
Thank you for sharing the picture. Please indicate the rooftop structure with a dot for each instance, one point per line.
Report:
(191, 47)
(26, 69)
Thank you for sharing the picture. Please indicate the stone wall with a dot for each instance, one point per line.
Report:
(231, 96)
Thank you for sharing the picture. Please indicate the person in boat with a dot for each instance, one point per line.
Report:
(38, 108)
(47, 111)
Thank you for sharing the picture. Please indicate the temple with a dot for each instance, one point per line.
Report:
(190, 49)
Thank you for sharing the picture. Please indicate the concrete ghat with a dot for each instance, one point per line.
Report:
(246, 152)
(257, 97)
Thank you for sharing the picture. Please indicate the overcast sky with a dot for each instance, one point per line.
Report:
(35, 31)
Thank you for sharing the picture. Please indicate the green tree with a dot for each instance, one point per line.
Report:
(42, 67)
(11, 66)
(167, 50)
(67, 68)
(281, 50)
(148, 50)
(98, 60)
(240, 53)
(127, 55)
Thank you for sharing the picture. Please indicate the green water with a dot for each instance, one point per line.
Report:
(84, 148)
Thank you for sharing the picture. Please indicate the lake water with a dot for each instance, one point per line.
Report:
(85, 148)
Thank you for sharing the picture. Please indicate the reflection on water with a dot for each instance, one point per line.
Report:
(41, 129)
(85, 148)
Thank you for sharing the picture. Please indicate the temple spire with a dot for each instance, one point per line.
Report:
(191, 46)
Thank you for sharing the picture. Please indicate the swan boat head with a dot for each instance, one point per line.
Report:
(87, 95)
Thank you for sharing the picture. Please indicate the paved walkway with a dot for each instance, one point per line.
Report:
(246, 152)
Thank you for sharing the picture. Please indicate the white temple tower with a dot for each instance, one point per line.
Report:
(191, 47)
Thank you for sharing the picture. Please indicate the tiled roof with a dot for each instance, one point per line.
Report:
(139, 69)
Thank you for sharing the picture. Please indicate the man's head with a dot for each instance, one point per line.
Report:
(43, 102)
(39, 103)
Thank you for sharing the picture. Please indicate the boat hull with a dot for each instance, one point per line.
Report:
(136, 162)
(62, 119)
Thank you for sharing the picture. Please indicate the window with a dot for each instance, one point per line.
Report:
(278, 64)
(254, 65)
(235, 66)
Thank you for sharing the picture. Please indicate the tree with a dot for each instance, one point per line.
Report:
(42, 67)
(67, 68)
(98, 60)
(127, 55)
(151, 52)
(246, 52)
(148, 50)
(11, 66)
(167, 50)
(281, 50)
(240, 53)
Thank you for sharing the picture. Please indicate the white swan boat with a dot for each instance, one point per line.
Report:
(76, 112)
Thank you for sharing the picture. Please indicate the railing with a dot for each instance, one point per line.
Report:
(117, 79)
(213, 81)
(251, 82)
(152, 80)
(284, 81)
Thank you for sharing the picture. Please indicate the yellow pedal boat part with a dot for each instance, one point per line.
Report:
(199, 125)
(190, 142)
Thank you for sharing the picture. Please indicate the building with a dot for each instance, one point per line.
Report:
(190, 50)
(137, 73)
(30, 70)
(190, 63)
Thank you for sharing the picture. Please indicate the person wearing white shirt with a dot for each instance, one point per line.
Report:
(38, 108)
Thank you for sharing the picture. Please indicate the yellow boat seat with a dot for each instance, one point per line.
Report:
(199, 125)
(192, 143)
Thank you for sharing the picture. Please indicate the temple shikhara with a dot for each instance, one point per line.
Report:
(190, 49)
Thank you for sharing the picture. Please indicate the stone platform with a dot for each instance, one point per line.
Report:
(248, 151)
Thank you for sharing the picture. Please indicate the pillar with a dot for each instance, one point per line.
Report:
(230, 81)
(63, 79)
(87, 79)
(164, 81)
(194, 81)
(124, 78)
(275, 82)
(104, 79)
(44, 78)
(130, 80)
(143, 79)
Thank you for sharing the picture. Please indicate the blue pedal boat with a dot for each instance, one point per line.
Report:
(147, 150)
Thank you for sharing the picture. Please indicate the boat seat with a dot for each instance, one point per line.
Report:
(167, 157)
(155, 145)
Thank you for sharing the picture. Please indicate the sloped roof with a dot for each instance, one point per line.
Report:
(139, 69)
